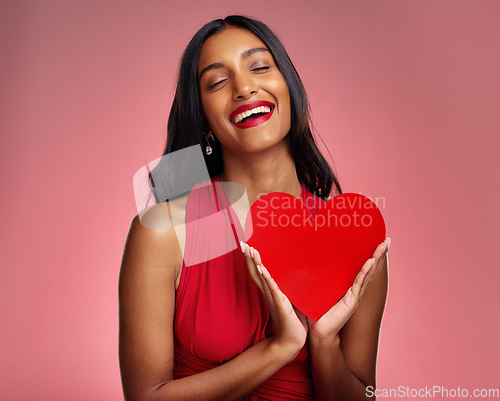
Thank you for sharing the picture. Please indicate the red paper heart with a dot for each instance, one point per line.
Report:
(314, 261)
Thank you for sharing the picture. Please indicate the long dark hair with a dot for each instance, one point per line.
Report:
(187, 125)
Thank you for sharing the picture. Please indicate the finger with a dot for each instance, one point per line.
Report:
(379, 265)
(268, 294)
(364, 277)
(374, 271)
(258, 264)
(280, 299)
(383, 258)
(353, 296)
(380, 250)
(253, 258)
(380, 255)
(256, 257)
(361, 277)
(252, 268)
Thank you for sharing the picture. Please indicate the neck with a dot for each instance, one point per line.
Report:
(272, 170)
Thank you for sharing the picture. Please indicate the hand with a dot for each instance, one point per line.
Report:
(290, 329)
(328, 325)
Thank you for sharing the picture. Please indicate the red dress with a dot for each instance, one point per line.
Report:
(219, 311)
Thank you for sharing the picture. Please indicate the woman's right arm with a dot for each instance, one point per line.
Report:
(150, 265)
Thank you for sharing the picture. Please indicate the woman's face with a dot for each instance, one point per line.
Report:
(243, 94)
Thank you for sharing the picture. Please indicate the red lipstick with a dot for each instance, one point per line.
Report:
(256, 121)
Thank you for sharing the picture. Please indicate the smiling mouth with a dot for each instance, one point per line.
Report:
(252, 114)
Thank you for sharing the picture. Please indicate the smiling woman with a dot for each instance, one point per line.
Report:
(240, 81)
(220, 328)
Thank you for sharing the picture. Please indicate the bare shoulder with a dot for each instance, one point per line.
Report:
(155, 245)
(155, 238)
(164, 215)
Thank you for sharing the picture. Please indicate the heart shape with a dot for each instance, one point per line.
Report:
(314, 260)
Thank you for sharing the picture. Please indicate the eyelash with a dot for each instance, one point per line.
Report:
(261, 68)
(253, 69)
(217, 83)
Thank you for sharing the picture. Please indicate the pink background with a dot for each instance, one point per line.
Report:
(404, 93)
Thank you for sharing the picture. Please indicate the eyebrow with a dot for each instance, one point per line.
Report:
(244, 55)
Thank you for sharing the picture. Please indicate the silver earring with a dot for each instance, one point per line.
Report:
(208, 149)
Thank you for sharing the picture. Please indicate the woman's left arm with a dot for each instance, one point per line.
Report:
(344, 364)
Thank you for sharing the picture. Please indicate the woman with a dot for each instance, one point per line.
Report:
(185, 332)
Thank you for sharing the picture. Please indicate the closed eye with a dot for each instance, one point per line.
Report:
(261, 68)
(217, 83)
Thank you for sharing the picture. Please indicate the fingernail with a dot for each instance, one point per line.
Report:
(258, 268)
(251, 252)
(389, 244)
(372, 263)
(242, 245)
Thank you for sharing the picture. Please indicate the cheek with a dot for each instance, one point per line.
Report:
(281, 91)
(211, 111)
(285, 108)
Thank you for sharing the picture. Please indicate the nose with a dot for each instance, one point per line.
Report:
(244, 87)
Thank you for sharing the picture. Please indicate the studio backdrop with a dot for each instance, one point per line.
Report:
(404, 94)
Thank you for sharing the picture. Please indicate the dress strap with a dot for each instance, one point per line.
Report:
(228, 208)
(215, 192)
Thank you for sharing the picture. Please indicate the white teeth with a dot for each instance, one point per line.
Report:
(256, 110)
